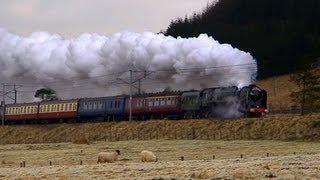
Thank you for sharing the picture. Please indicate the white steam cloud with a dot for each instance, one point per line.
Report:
(92, 60)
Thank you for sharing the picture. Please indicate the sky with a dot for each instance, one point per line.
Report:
(71, 18)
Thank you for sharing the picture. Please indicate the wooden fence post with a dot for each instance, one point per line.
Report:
(182, 158)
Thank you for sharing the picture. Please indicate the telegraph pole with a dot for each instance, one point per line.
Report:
(130, 98)
(139, 86)
(131, 84)
(15, 93)
(3, 104)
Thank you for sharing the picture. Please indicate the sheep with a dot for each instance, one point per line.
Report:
(108, 157)
(148, 156)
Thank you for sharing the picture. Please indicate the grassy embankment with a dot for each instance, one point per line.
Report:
(267, 128)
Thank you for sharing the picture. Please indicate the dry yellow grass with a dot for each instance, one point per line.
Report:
(287, 160)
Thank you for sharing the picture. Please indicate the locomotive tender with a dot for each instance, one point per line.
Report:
(226, 102)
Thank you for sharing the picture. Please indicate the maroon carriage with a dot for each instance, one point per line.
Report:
(159, 105)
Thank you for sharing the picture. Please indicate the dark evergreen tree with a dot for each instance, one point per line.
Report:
(282, 35)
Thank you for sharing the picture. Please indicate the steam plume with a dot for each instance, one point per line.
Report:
(160, 61)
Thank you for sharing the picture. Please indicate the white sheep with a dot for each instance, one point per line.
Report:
(148, 156)
(109, 157)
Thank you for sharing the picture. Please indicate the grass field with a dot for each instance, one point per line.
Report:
(285, 160)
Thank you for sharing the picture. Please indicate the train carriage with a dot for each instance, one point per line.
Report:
(62, 109)
(155, 105)
(106, 107)
(21, 112)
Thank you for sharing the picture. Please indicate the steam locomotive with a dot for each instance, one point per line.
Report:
(218, 102)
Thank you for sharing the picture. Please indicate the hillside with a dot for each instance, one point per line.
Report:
(279, 90)
(282, 35)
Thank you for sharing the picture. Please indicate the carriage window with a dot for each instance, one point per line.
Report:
(156, 102)
(169, 101)
(115, 104)
(74, 107)
(162, 102)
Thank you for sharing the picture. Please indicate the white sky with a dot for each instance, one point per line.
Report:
(71, 18)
